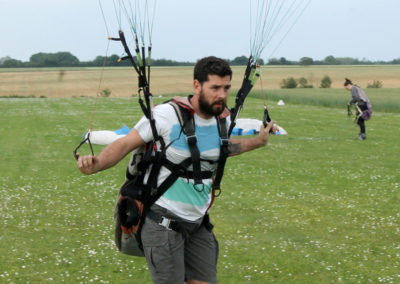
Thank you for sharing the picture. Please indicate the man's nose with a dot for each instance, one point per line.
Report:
(222, 93)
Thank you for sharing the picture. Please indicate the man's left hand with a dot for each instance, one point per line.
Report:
(265, 131)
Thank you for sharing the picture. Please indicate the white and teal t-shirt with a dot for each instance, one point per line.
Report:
(182, 198)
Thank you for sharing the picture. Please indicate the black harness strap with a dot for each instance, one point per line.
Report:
(191, 139)
(155, 159)
(181, 169)
(169, 224)
(224, 153)
(177, 170)
(186, 119)
(142, 82)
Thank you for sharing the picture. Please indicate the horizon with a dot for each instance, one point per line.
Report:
(230, 59)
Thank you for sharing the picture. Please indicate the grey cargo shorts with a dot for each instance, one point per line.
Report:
(172, 258)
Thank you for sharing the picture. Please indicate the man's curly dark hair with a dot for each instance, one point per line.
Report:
(211, 66)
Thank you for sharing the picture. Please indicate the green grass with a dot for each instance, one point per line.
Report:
(315, 206)
(386, 100)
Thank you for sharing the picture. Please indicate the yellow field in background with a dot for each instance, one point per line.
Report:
(122, 82)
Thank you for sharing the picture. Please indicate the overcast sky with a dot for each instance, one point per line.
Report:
(186, 30)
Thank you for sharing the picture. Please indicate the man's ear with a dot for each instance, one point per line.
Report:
(196, 86)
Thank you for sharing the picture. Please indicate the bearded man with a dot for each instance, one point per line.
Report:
(174, 256)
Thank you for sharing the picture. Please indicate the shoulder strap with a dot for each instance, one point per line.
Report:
(185, 116)
(224, 153)
(148, 113)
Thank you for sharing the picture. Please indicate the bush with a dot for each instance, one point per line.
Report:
(289, 83)
(326, 82)
(105, 93)
(304, 83)
(375, 84)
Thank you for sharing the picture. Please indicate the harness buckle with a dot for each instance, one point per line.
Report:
(224, 141)
(199, 187)
(165, 222)
(191, 139)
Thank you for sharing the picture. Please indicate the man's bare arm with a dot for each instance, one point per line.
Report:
(111, 155)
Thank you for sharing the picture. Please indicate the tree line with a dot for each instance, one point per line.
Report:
(329, 60)
(66, 59)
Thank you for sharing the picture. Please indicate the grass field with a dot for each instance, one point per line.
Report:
(315, 206)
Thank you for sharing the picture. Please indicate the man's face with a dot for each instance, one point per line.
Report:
(213, 94)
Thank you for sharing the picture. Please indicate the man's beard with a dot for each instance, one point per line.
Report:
(207, 108)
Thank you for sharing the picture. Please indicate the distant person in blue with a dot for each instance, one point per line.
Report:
(362, 105)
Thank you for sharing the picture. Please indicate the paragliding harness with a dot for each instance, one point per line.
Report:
(141, 189)
(362, 106)
(363, 109)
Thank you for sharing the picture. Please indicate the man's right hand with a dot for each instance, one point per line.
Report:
(88, 164)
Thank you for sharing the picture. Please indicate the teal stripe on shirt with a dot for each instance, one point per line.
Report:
(182, 191)
(207, 138)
